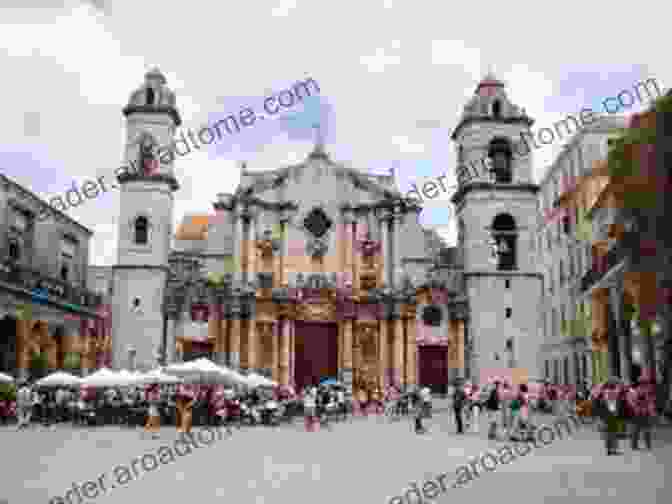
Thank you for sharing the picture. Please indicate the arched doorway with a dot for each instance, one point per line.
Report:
(316, 352)
(505, 236)
(433, 368)
(8, 347)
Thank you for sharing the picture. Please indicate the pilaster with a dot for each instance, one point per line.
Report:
(411, 352)
(398, 352)
(383, 353)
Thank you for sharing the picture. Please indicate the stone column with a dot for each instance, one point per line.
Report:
(251, 249)
(51, 347)
(284, 252)
(384, 222)
(214, 327)
(238, 246)
(223, 342)
(252, 345)
(460, 348)
(347, 353)
(383, 353)
(356, 254)
(396, 246)
(398, 352)
(285, 337)
(171, 338)
(411, 352)
(22, 349)
(275, 351)
(234, 341)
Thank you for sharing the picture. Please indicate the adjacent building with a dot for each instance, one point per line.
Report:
(564, 246)
(48, 317)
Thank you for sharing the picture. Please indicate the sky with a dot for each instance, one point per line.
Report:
(393, 76)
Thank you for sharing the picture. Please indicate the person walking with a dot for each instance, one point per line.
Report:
(459, 399)
(643, 402)
(153, 397)
(611, 408)
(24, 405)
(309, 408)
(492, 405)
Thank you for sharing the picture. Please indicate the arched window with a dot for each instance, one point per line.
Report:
(500, 155)
(497, 109)
(150, 96)
(14, 250)
(141, 230)
(505, 235)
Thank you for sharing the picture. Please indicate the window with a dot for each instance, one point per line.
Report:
(150, 96)
(432, 316)
(508, 312)
(556, 371)
(497, 109)
(563, 320)
(550, 279)
(562, 273)
(547, 369)
(67, 259)
(505, 235)
(141, 231)
(501, 155)
(566, 370)
(507, 284)
(14, 250)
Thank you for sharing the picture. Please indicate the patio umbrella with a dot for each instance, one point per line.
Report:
(104, 378)
(128, 378)
(199, 371)
(6, 378)
(158, 376)
(59, 379)
(256, 380)
(235, 376)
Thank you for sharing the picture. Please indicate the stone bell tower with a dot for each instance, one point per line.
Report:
(496, 209)
(147, 183)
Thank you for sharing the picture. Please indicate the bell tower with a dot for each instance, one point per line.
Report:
(496, 210)
(147, 184)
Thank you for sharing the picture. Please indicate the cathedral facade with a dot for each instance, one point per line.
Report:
(318, 270)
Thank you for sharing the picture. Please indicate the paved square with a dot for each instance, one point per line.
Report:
(367, 461)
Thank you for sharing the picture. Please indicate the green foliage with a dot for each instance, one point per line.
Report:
(72, 360)
(38, 364)
(215, 279)
(7, 392)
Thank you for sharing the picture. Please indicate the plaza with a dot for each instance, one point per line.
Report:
(366, 461)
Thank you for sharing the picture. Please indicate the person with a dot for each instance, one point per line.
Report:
(610, 408)
(340, 400)
(492, 405)
(459, 398)
(153, 396)
(186, 397)
(519, 411)
(24, 405)
(643, 401)
(476, 407)
(309, 407)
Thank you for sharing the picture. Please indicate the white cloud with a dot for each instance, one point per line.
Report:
(75, 66)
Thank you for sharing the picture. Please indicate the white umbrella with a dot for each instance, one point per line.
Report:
(104, 378)
(235, 376)
(256, 380)
(127, 378)
(59, 379)
(158, 376)
(200, 370)
(6, 378)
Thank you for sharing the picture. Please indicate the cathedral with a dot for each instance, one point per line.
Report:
(318, 270)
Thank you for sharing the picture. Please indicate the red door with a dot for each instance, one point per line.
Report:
(316, 352)
(433, 368)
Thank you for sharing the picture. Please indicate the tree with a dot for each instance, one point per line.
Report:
(38, 364)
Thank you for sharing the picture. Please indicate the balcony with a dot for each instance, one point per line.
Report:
(45, 289)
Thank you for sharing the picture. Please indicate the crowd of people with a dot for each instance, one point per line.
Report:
(507, 407)
(619, 407)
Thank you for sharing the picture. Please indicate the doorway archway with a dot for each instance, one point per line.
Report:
(8, 344)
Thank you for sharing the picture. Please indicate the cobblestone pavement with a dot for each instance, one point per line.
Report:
(367, 461)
